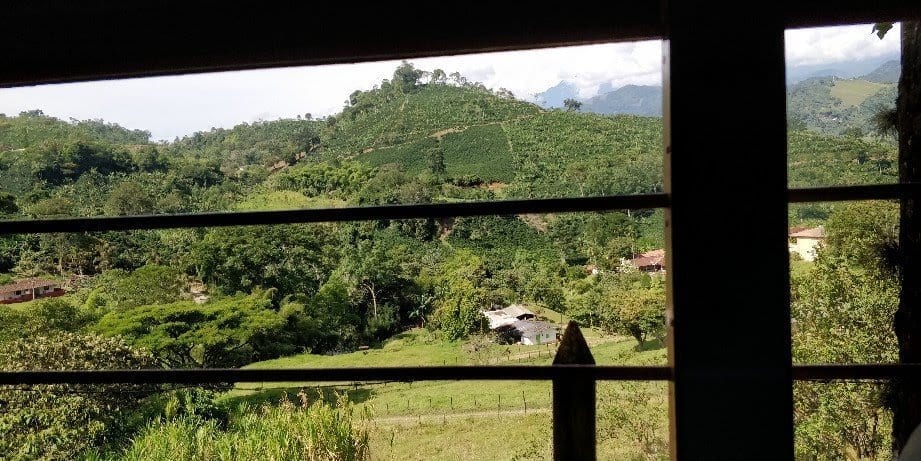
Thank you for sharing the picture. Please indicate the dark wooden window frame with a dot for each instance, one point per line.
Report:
(726, 402)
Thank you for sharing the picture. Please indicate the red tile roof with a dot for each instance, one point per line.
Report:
(649, 258)
(27, 284)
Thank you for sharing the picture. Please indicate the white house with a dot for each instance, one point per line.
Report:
(535, 332)
(806, 242)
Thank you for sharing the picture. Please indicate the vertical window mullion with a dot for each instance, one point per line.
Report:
(728, 287)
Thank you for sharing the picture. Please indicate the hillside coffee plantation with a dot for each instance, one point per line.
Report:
(402, 292)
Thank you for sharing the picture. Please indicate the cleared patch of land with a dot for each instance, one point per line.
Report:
(854, 92)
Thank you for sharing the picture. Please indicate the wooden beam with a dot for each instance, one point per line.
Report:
(728, 284)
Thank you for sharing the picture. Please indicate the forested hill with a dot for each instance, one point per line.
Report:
(455, 138)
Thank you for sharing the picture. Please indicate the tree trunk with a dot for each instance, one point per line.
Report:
(370, 288)
(906, 396)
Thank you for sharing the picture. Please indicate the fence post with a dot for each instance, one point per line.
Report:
(573, 401)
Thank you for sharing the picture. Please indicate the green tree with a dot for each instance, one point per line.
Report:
(227, 332)
(458, 286)
(129, 198)
(8, 204)
(406, 77)
(61, 422)
(436, 161)
(572, 104)
(439, 76)
(627, 303)
(150, 284)
(291, 258)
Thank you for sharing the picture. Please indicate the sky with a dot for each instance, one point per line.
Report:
(180, 105)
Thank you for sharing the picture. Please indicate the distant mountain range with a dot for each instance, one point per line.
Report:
(815, 91)
(846, 69)
(630, 99)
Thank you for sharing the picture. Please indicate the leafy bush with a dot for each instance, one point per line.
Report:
(58, 422)
(221, 333)
(151, 284)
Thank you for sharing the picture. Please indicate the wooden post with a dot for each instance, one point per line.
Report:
(573, 401)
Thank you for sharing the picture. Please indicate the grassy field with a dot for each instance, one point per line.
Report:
(854, 92)
(473, 420)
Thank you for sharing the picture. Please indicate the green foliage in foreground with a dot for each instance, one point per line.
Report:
(305, 431)
(843, 312)
(57, 422)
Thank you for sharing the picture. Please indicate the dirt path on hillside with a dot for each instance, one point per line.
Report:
(416, 419)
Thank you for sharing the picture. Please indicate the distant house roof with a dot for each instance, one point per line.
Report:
(811, 232)
(517, 310)
(649, 258)
(27, 284)
(503, 317)
(533, 326)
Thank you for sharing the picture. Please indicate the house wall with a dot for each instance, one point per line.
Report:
(535, 338)
(50, 292)
(805, 247)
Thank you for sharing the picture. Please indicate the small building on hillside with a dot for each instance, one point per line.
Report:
(517, 323)
(651, 261)
(29, 289)
(806, 242)
(507, 316)
(535, 332)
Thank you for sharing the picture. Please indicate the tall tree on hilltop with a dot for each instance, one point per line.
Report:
(406, 77)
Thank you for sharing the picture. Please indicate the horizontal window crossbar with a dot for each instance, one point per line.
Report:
(190, 376)
(364, 213)
(908, 371)
(602, 373)
(850, 193)
(421, 211)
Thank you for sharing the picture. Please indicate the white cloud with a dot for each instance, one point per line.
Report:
(829, 45)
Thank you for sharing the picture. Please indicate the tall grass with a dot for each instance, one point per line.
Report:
(290, 431)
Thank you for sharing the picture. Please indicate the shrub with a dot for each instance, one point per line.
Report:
(308, 431)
